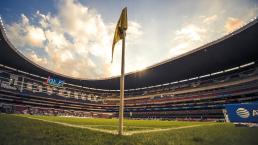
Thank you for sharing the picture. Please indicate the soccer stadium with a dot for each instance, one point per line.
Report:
(186, 99)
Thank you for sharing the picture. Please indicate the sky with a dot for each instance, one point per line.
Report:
(74, 37)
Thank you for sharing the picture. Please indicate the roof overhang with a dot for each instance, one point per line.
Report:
(239, 47)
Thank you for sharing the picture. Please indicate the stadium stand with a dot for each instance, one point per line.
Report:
(166, 90)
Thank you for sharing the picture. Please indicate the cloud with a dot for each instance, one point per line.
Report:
(24, 34)
(191, 32)
(200, 30)
(34, 57)
(210, 19)
(35, 36)
(75, 41)
(233, 24)
(179, 49)
(187, 39)
(134, 31)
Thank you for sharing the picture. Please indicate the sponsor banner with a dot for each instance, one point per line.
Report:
(245, 113)
(55, 82)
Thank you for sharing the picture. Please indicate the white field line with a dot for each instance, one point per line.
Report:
(115, 132)
(116, 126)
(165, 129)
(76, 126)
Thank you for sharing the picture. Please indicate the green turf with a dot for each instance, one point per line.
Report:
(111, 124)
(16, 130)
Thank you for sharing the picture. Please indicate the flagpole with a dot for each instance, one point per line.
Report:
(121, 109)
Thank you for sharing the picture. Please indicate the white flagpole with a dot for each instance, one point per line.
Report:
(121, 109)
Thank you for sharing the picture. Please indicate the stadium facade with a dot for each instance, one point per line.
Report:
(193, 86)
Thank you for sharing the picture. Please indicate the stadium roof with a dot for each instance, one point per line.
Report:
(235, 49)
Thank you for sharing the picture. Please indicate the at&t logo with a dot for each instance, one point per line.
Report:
(242, 112)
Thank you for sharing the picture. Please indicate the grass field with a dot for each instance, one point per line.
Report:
(20, 130)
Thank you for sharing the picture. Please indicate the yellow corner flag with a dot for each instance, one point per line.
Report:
(120, 29)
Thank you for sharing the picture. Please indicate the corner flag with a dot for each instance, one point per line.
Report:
(120, 29)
